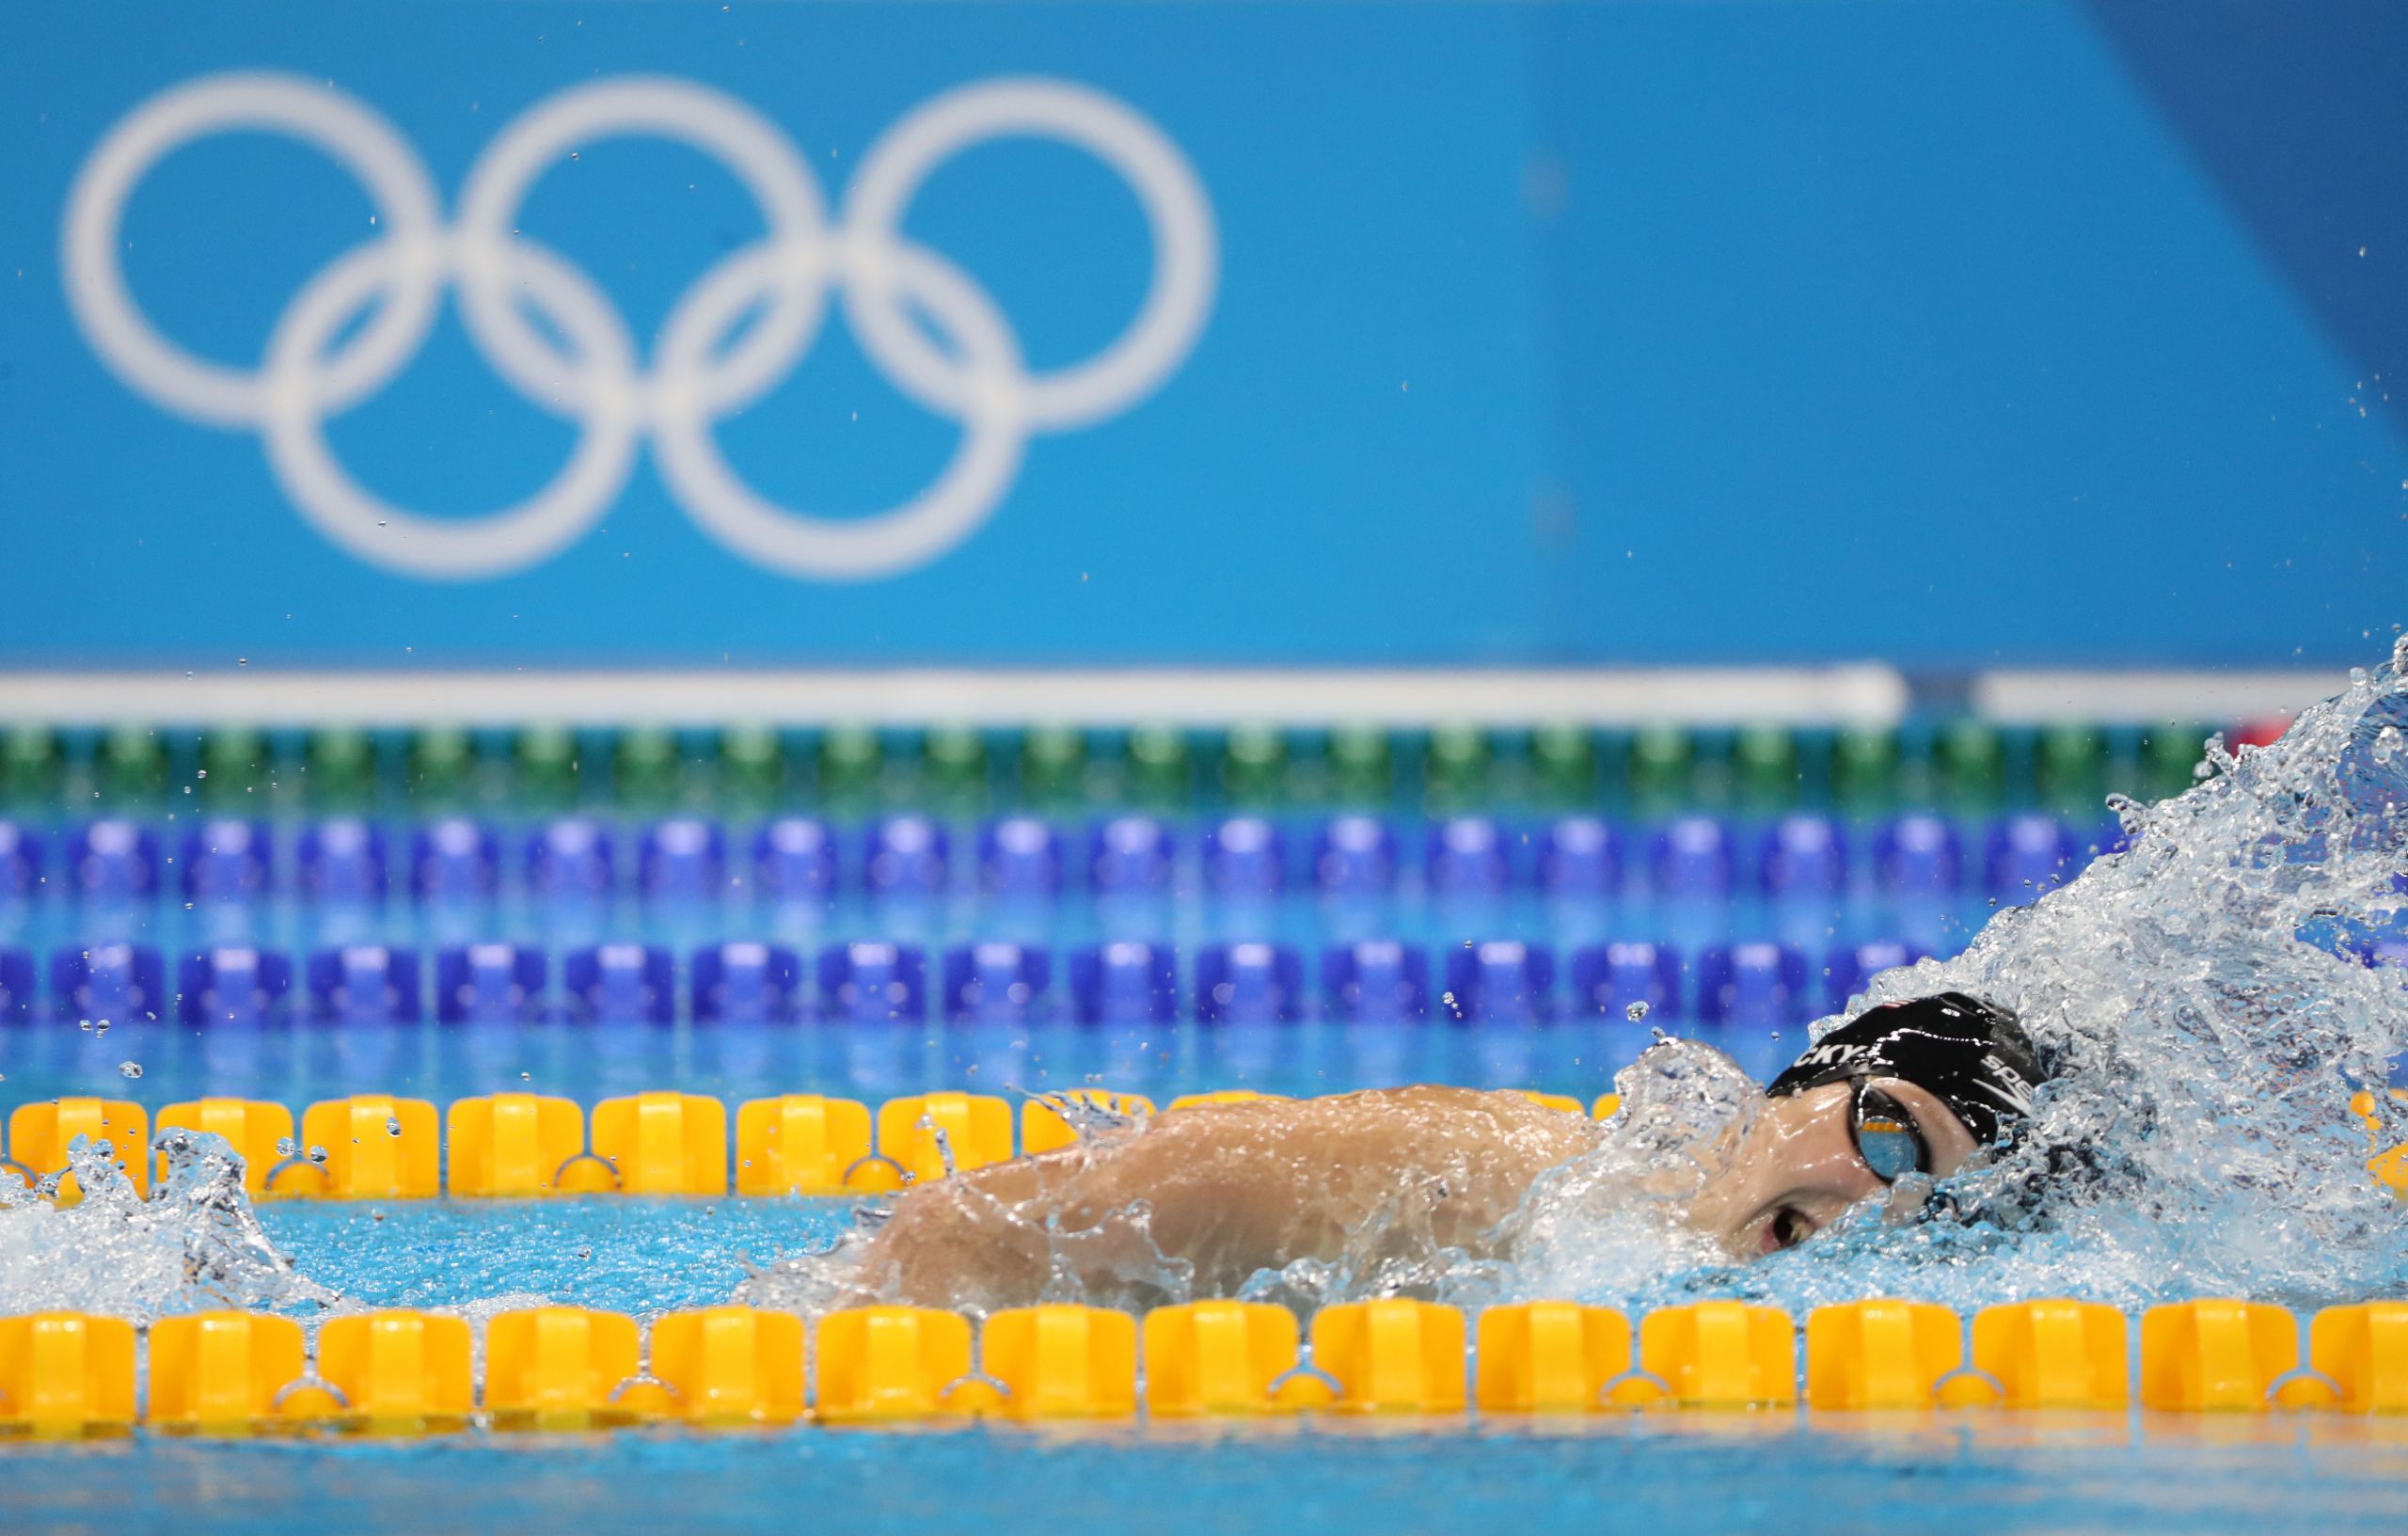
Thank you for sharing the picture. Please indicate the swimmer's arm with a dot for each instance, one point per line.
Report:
(1231, 1189)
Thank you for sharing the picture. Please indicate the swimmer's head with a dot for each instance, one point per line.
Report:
(1910, 1087)
(1973, 1055)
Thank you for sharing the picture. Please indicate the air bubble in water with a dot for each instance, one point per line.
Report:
(1637, 1011)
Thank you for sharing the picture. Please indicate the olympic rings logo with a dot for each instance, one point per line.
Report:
(356, 324)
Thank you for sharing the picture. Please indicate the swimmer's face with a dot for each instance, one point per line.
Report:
(1799, 1167)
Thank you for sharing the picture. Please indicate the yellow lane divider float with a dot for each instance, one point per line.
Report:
(510, 1146)
(514, 1143)
(66, 1374)
(38, 1135)
(376, 1147)
(1549, 1357)
(660, 1145)
(224, 1373)
(373, 1147)
(1720, 1354)
(1885, 1355)
(397, 1373)
(1218, 1358)
(1062, 1362)
(2053, 1354)
(799, 1143)
(663, 1142)
(885, 1362)
(1391, 1356)
(70, 1374)
(730, 1366)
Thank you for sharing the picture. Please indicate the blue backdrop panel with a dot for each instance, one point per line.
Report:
(668, 333)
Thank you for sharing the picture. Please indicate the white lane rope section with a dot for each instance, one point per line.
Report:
(321, 357)
(1863, 693)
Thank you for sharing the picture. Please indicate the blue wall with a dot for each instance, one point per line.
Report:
(1953, 334)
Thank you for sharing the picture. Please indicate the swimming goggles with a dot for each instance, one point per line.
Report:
(1887, 1137)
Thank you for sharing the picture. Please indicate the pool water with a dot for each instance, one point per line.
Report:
(1659, 1474)
(628, 1256)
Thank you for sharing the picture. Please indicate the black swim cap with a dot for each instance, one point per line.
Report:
(1971, 1056)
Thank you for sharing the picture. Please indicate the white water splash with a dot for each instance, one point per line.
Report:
(2203, 1003)
(196, 1244)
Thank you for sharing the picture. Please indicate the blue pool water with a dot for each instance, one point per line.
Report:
(1663, 1475)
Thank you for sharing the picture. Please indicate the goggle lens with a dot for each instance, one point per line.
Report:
(1888, 1138)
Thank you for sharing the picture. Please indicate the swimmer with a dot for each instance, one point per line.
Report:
(1920, 1086)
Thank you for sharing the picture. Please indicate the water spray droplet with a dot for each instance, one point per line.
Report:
(1637, 1011)
(129, 1069)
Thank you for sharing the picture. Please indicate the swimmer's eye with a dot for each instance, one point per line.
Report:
(1790, 1227)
